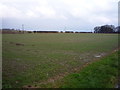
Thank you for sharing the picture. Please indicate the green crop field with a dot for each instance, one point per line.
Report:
(31, 60)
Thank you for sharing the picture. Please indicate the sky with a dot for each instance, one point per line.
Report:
(76, 15)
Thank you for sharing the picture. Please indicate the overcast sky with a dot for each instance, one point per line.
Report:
(81, 15)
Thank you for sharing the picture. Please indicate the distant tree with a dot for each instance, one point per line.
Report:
(117, 29)
(97, 29)
(69, 32)
(105, 29)
(112, 26)
(35, 31)
(61, 31)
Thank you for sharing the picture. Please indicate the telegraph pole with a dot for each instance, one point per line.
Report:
(23, 28)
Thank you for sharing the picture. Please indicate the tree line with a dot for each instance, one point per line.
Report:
(97, 29)
(14, 31)
(107, 29)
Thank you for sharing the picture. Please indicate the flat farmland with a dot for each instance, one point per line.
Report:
(32, 59)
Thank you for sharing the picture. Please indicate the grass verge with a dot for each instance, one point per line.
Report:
(100, 74)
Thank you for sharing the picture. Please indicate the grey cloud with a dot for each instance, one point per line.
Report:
(58, 14)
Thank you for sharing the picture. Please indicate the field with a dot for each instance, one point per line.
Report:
(34, 60)
(100, 74)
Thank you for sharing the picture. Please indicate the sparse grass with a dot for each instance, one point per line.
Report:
(44, 56)
(100, 74)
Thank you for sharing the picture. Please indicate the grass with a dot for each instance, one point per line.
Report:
(100, 74)
(45, 56)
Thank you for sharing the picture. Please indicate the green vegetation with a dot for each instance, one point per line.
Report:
(31, 59)
(100, 74)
